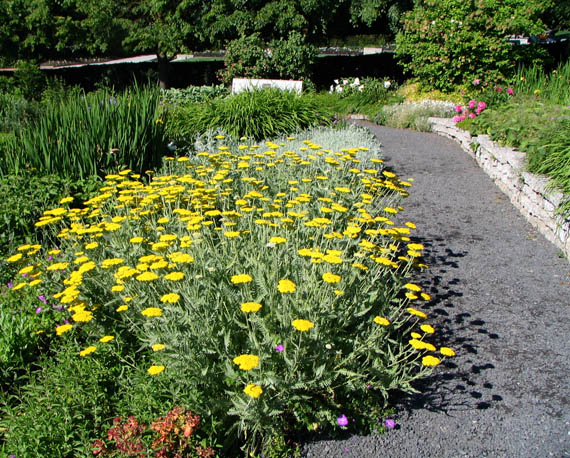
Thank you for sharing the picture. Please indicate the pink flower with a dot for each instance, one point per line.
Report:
(455, 119)
(458, 108)
(390, 424)
(462, 117)
(499, 89)
(510, 91)
(481, 106)
(342, 420)
(279, 348)
(472, 104)
(472, 115)
(476, 82)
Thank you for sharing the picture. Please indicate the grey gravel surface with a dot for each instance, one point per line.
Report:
(500, 298)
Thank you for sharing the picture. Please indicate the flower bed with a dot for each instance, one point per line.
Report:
(267, 288)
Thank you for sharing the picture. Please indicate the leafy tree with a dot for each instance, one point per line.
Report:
(447, 42)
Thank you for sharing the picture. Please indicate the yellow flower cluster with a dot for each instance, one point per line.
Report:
(247, 362)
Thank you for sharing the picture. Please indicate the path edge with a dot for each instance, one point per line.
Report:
(528, 192)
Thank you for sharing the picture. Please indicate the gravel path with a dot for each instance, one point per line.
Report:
(501, 299)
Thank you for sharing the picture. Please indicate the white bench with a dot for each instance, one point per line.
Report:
(246, 84)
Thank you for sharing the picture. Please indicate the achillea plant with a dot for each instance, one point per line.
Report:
(268, 284)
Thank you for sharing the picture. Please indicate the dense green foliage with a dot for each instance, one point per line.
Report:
(535, 120)
(81, 136)
(450, 42)
(252, 57)
(254, 114)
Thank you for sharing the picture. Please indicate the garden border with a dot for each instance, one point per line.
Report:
(527, 192)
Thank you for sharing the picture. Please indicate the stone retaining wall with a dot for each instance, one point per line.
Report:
(526, 191)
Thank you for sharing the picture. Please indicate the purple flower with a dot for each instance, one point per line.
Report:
(390, 424)
(342, 420)
(38, 310)
(10, 285)
(43, 299)
(279, 348)
(50, 258)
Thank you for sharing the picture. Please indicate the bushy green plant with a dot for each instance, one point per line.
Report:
(251, 57)
(64, 407)
(292, 58)
(29, 79)
(82, 136)
(538, 129)
(264, 285)
(193, 94)
(15, 111)
(255, 114)
(447, 42)
(246, 57)
(414, 115)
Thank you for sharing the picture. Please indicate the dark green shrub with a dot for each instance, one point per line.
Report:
(447, 42)
(245, 57)
(29, 79)
(16, 111)
(251, 57)
(292, 58)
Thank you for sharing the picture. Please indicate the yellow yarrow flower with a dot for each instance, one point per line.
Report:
(171, 298)
(158, 347)
(303, 325)
(87, 351)
(331, 278)
(446, 351)
(106, 339)
(231, 234)
(415, 312)
(286, 286)
(381, 321)
(253, 390)
(122, 308)
(152, 312)
(250, 307)
(147, 276)
(246, 362)
(82, 316)
(412, 287)
(155, 370)
(174, 276)
(430, 361)
(63, 329)
(277, 240)
(241, 278)
(427, 328)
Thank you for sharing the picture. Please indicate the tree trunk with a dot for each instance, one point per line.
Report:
(162, 71)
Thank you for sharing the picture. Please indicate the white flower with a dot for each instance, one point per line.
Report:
(339, 89)
(331, 90)
(356, 82)
(345, 82)
(387, 84)
(360, 88)
(335, 81)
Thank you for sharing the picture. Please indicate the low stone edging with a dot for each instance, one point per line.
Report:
(526, 191)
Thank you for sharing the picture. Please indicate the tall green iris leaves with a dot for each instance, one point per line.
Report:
(91, 134)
